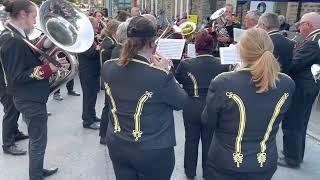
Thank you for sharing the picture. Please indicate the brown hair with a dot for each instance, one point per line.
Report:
(14, 7)
(135, 44)
(203, 43)
(111, 27)
(122, 16)
(256, 51)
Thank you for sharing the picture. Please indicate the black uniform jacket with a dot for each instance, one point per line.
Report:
(245, 122)
(116, 52)
(304, 57)
(24, 74)
(107, 46)
(89, 61)
(142, 98)
(195, 74)
(283, 50)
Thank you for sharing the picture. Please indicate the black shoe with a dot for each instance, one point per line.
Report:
(57, 97)
(49, 172)
(73, 93)
(49, 113)
(14, 150)
(103, 140)
(93, 126)
(286, 163)
(20, 136)
(97, 119)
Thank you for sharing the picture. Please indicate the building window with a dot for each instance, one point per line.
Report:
(124, 4)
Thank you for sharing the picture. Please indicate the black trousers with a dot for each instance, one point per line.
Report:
(194, 131)
(69, 86)
(295, 123)
(36, 117)
(215, 174)
(90, 88)
(10, 120)
(104, 118)
(132, 163)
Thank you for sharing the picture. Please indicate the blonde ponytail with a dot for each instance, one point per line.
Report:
(265, 72)
(256, 50)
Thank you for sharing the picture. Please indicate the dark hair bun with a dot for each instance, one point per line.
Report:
(8, 4)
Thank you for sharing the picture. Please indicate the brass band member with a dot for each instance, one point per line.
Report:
(283, 47)
(142, 97)
(109, 40)
(89, 74)
(27, 81)
(195, 75)
(296, 121)
(245, 107)
(232, 22)
(107, 46)
(121, 37)
(251, 19)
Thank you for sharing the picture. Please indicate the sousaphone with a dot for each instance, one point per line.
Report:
(65, 30)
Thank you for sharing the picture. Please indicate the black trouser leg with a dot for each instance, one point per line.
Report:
(70, 85)
(215, 174)
(193, 131)
(10, 120)
(295, 125)
(206, 138)
(311, 98)
(90, 86)
(192, 137)
(36, 118)
(104, 118)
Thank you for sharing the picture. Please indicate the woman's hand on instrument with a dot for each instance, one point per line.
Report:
(161, 61)
(64, 63)
(223, 39)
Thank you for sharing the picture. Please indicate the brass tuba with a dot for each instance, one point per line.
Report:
(65, 30)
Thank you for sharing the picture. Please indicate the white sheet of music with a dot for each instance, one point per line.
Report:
(229, 55)
(191, 51)
(237, 34)
(171, 48)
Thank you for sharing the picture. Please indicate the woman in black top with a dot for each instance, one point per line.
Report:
(142, 97)
(195, 75)
(245, 108)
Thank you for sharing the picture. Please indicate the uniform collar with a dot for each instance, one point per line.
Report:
(141, 58)
(16, 29)
(273, 32)
(317, 31)
(205, 55)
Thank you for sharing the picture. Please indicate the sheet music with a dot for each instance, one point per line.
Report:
(229, 55)
(237, 34)
(319, 43)
(171, 48)
(191, 51)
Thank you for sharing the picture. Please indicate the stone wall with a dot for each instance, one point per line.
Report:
(292, 10)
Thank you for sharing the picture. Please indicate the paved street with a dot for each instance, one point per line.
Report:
(78, 154)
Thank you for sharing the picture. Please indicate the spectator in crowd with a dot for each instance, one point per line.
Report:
(283, 24)
(135, 11)
(122, 16)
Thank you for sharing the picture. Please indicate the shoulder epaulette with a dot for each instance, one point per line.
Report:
(222, 74)
(150, 65)
(313, 37)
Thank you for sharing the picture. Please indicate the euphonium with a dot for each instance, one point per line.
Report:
(219, 22)
(66, 30)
